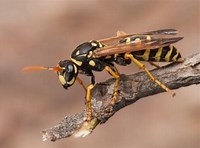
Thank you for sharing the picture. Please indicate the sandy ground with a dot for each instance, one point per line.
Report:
(42, 32)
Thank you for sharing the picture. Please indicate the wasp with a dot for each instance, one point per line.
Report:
(123, 49)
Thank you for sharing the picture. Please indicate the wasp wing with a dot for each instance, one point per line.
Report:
(135, 45)
(162, 32)
(124, 35)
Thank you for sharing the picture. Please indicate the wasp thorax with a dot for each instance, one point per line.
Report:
(67, 73)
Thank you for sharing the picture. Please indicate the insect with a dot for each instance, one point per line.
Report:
(153, 46)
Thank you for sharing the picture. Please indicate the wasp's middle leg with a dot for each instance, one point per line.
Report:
(154, 64)
(114, 72)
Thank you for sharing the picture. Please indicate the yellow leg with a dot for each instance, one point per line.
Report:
(81, 83)
(88, 102)
(140, 65)
(155, 65)
(115, 74)
(88, 97)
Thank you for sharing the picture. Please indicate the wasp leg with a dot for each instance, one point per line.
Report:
(88, 102)
(140, 65)
(88, 97)
(154, 64)
(115, 74)
(81, 83)
(121, 33)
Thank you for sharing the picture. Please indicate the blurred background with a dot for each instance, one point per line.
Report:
(43, 32)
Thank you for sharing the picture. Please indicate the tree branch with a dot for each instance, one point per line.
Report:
(131, 88)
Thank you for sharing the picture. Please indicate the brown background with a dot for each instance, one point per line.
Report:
(42, 32)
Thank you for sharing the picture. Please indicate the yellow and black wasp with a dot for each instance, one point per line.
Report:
(153, 46)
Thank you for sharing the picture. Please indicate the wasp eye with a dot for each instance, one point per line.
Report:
(70, 68)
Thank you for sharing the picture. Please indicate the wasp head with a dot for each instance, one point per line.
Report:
(67, 73)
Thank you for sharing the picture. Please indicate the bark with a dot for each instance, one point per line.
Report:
(131, 88)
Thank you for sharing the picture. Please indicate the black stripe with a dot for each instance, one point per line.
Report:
(152, 54)
(179, 56)
(164, 52)
(174, 52)
(139, 52)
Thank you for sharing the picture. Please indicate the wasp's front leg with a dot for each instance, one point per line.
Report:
(88, 98)
(88, 102)
(81, 83)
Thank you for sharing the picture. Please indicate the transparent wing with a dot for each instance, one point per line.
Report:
(136, 45)
(156, 32)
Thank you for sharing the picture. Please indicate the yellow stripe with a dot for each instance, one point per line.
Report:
(167, 56)
(180, 60)
(79, 63)
(90, 54)
(108, 57)
(138, 39)
(158, 54)
(82, 55)
(93, 44)
(75, 69)
(72, 81)
(148, 37)
(146, 55)
(62, 79)
(78, 52)
(128, 40)
(92, 63)
(175, 56)
(100, 45)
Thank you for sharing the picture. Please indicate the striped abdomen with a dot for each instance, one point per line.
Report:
(164, 54)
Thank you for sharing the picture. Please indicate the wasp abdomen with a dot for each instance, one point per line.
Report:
(163, 54)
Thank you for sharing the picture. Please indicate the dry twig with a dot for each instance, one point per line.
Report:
(132, 88)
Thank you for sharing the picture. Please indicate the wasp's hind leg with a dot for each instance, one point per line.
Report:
(154, 64)
(114, 72)
(140, 65)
